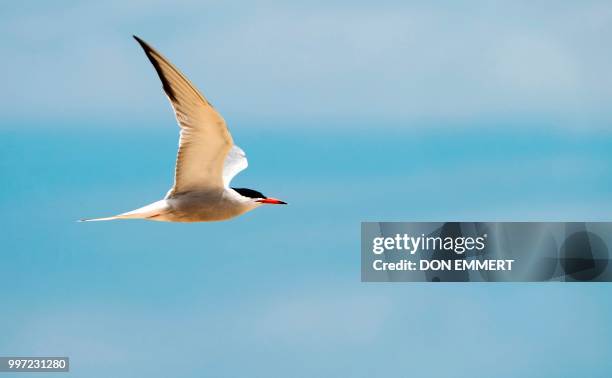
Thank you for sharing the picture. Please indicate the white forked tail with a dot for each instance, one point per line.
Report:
(149, 211)
(98, 219)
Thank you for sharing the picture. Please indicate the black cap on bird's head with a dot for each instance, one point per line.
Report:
(258, 196)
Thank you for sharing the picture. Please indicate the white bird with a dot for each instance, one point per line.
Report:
(206, 162)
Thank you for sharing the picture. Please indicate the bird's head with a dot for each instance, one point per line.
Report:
(258, 197)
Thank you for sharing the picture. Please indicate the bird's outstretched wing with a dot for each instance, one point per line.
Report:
(235, 162)
(204, 139)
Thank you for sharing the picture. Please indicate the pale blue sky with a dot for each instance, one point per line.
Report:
(283, 63)
(349, 112)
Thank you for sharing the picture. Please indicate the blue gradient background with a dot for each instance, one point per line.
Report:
(350, 112)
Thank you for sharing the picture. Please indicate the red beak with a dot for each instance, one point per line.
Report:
(272, 201)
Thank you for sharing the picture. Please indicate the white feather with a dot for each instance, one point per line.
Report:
(235, 161)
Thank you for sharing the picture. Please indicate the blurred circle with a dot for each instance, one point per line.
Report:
(584, 256)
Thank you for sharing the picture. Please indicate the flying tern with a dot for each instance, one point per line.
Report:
(206, 161)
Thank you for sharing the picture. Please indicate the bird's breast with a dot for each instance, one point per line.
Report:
(206, 206)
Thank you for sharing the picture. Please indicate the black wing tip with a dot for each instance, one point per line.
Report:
(149, 52)
(142, 43)
(145, 46)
